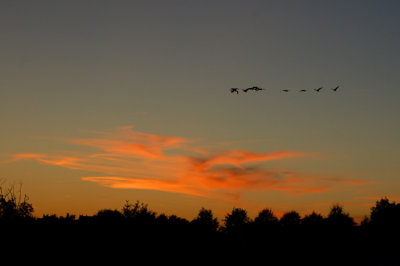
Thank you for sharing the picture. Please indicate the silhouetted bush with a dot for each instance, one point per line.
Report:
(13, 208)
(107, 216)
(139, 213)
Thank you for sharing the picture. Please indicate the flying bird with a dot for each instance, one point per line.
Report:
(303, 90)
(235, 90)
(335, 89)
(318, 89)
(257, 88)
(285, 90)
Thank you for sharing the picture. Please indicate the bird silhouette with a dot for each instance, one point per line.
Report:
(249, 89)
(234, 90)
(303, 90)
(335, 89)
(318, 89)
(285, 90)
(257, 88)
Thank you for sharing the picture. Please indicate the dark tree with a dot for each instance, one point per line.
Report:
(236, 220)
(205, 221)
(384, 231)
(162, 219)
(313, 231)
(107, 216)
(177, 221)
(313, 221)
(266, 217)
(385, 214)
(290, 219)
(139, 213)
(236, 226)
(264, 231)
(12, 207)
(338, 219)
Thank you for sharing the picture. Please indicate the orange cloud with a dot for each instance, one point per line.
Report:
(127, 142)
(237, 157)
(128, 159)
(138, 183)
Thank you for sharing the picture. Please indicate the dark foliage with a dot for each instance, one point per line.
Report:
(136, 228)
(236, 220)
(339, 220)
(386, 214)
(290, 220)
(205, 221)
(14, 209)
(313, 221)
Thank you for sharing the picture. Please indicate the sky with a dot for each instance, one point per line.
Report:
(107, 101)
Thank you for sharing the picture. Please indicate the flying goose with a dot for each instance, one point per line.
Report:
(234, 90)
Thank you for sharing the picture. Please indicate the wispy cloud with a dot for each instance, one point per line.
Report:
(129, 159)
(375, 198)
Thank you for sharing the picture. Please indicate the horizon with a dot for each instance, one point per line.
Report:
(103, 102)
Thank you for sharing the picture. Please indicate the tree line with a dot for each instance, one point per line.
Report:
(266, 233)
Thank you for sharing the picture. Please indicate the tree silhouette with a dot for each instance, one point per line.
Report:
(312, 232)
(162, 219)
(12, 207)
(338, 219)
(335, 237)
(313, 221)
(138, 213)
(384, 230)
(236, 220)
(264, 231)
(266, 217)
(177, 221)
(235, 225)
(107, 216)
(385, 214)
(290, 219)
(205, 221)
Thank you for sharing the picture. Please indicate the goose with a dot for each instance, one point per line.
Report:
(235, 90)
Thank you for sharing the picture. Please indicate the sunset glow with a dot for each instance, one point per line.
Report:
(189, 104)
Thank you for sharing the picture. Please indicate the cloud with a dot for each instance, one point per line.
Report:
(129, 159)
(127, 142)
(238, 157)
